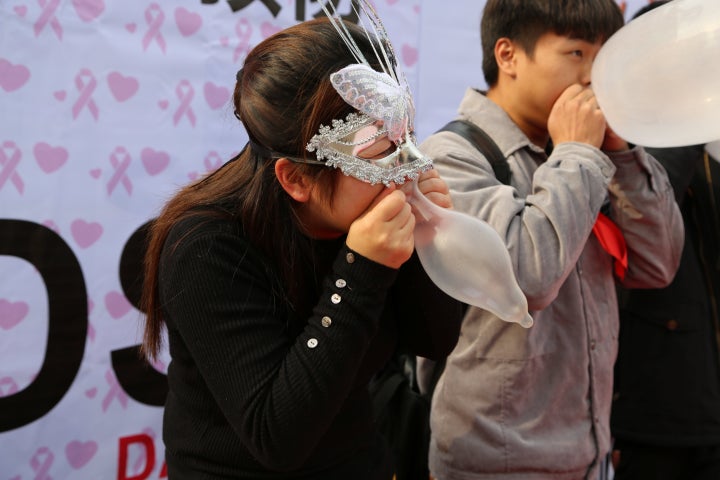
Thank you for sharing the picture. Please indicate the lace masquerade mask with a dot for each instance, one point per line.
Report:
(385, 111)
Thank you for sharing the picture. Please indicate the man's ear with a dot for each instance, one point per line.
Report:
(292, 181)
(506, 56)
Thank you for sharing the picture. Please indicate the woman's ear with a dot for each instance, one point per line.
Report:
(506, 56)
(292, 181)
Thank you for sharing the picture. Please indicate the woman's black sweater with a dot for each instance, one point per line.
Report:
(257, 393)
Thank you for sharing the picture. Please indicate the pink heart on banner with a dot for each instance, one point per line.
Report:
(122, 87)
(52, 226)
(130, 27)
(154, 161)
(80, 453)
(215, 95)
(12, 76)
(49, 158)
(88, 10)
(85, 233)
(95, 173)
(163, 104)
(91, 392)
(60, 95)
(409, 55)
(20, 10)
(12, 313)
(187, 22)
(7, 387)
(267, 29)
(116, 304)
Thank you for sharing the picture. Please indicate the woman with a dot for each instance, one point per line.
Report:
(286, 285)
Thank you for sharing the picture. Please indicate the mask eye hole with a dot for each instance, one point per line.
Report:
(380, 148)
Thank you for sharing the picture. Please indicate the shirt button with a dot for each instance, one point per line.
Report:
(326, 321)
(312, 343)
(592, 345)
(340, 283)
(350, 258)
(335, 298)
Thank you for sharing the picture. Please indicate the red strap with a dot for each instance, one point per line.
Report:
(613, 242)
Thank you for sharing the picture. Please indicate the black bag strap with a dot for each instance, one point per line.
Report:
(484, 144)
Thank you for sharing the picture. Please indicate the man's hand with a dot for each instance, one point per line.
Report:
(576, 117)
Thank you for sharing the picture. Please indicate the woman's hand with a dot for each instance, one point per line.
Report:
(435, 188)
(384, 232)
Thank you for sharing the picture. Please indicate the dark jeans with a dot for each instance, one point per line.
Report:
(646, 462)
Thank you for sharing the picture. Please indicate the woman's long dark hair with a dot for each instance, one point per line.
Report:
(282, 96)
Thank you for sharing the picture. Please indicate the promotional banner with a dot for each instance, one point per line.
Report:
(106, 108)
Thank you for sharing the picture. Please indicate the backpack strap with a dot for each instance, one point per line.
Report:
(486, 145)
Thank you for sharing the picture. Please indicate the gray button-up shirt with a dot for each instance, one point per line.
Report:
(534, 403)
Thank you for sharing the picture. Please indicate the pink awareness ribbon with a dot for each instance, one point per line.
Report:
(85, 83)
(154, 16)
(41, 463)
(48, 16)
(7, 387)
(115, 391)
(9, 166)
(244, 30)
(185, 93)
(120, 161)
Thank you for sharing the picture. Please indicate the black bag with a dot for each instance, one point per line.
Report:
(402, 414)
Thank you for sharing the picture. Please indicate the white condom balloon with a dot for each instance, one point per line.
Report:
(657, 80)
(713, 149)
(468, 260)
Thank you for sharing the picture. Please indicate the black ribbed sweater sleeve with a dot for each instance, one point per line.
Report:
(228, 327)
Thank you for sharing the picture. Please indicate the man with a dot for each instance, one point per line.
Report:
(534, 403)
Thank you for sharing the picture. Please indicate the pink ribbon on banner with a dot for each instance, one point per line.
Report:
(244, 30)
(185, 93)
(154, 16)
(9, 166)
(115, 391)
(120, 161)
(7, 386)
(212, 161)
(41, 463)
(86, 90)
(48, 16)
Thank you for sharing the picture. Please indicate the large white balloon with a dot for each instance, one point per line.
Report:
(657, 80)
(468, 260)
